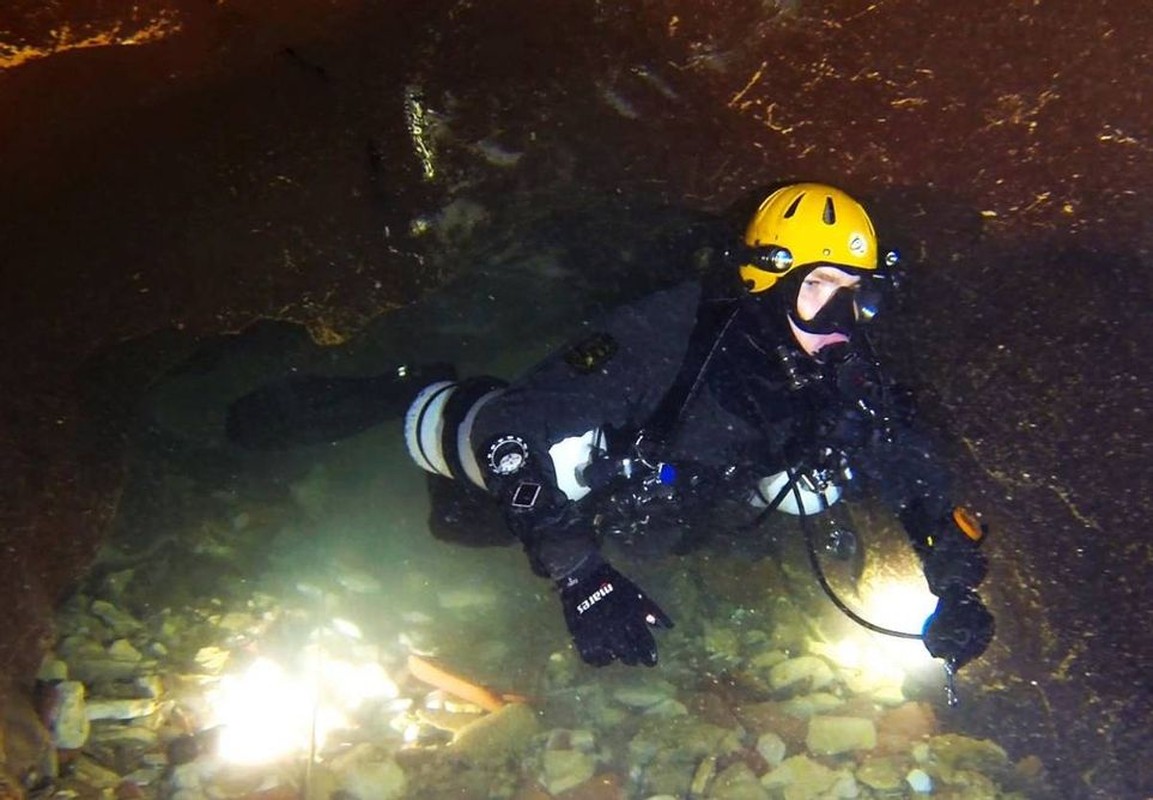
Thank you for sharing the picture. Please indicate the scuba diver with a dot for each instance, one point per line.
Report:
(692, 413)
(698, 400)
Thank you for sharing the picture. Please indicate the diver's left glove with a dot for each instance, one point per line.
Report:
(608, 616)
(954, 561)
(960, 629)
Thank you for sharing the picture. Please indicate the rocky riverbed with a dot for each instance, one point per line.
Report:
(264, 649)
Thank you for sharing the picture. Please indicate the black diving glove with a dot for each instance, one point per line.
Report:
(954, 563)
(950, 549)
(960, 629)
(608, 616)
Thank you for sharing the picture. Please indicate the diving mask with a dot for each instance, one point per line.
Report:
(845, 308)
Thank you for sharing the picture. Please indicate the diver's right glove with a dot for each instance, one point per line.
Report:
(960, 629)
(608, 616)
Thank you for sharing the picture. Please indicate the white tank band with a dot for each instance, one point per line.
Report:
(813, 502)
(464, 444)
(424, 427)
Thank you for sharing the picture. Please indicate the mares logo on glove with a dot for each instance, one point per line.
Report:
(584, 605)
(612, 621)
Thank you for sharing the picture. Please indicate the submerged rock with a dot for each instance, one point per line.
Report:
(833, 735)
(91, 662)
(562, 770)
(121, 709)
(87, 771)
(123, 650)
(721, 643)
(955, 752)
(738, 782)
(898, 729)
(800, 778)
(811, 705)
(703, 776)
(882, 774)
(121, 622)
(379, 780)
(569, 739)
(666, 753)
(646, 694)
(70, 725)
(771, 717)
(771, 748)
(919, 781)
(506, 732)
(125, 736)
(667, 708)
(807, 672)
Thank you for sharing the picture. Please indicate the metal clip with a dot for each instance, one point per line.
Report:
(951, 684)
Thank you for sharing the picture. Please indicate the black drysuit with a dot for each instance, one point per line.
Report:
(721, 392)
(739, 417)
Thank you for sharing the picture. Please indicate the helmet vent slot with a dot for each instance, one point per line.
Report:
(792, 209)
(830, 215)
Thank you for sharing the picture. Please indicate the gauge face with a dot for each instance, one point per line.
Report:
(507, 455)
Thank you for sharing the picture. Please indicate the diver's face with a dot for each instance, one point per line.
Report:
(817, 289)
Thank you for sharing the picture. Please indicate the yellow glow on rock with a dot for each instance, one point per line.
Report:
(266, 713)
(123, 31)
(874, 663)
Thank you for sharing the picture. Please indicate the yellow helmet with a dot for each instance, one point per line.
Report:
(805, 224)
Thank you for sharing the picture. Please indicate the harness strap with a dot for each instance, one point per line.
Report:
(713, 320)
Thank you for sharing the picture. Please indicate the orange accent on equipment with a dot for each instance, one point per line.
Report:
(427, 672)
(967, 522)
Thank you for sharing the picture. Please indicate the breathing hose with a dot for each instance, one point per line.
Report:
(819, 572)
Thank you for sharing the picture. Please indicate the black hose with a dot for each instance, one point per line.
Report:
(819, 572)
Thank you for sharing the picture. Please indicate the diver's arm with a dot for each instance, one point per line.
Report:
(901, 462)
(608, 616)
(914, 481)
(947, 540)
(545, 521)
(541, 488)
(527, 445)
(948, 543)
